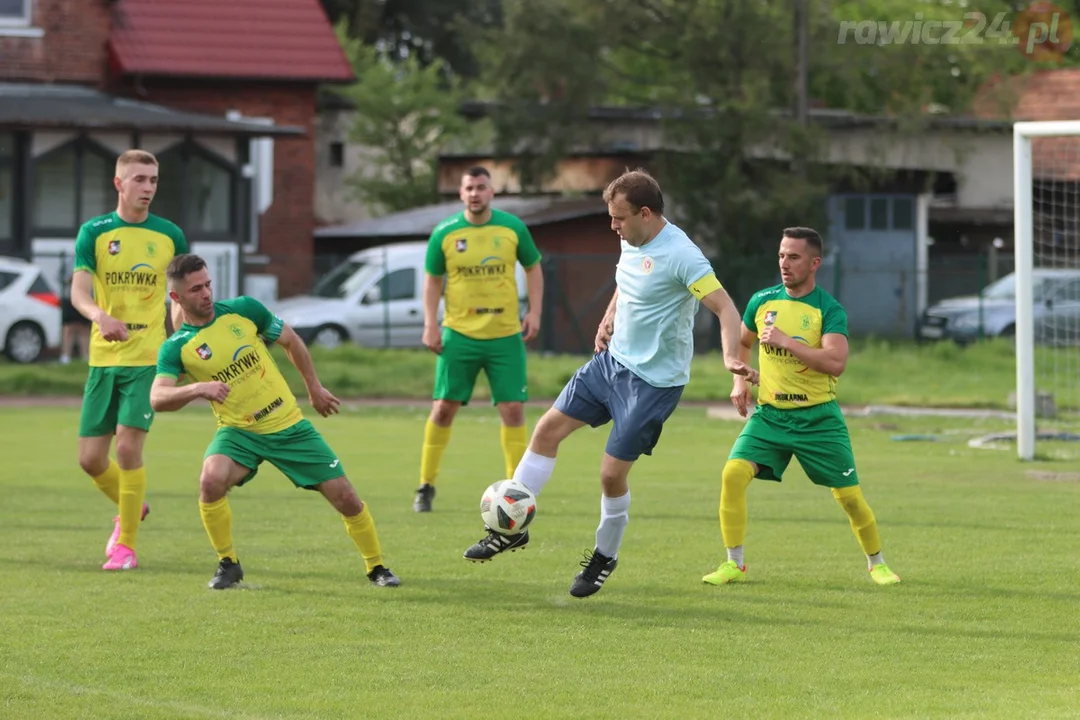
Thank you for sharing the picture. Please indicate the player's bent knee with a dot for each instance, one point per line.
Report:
(512, 413)
(94, 455)
(340, 493)
(738, 472)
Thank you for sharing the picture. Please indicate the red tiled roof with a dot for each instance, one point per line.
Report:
(1045, 95)
(250, 39)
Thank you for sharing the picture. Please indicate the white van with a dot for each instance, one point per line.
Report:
(348, 303)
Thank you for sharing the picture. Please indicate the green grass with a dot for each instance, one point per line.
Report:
(878, 372)
(983, 625)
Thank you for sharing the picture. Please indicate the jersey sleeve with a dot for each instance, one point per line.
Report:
(169, 363)
(527, 252)
(749, 317)
(85, 252)
(180, 243)
(834, 319)
(435, 261)
(267, 323)
(695, 273)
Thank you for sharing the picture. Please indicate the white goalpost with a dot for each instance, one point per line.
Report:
(1046, 216)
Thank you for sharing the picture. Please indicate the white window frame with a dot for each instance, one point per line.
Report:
(20, 25)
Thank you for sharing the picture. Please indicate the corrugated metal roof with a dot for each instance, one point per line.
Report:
(29, 107)
(419, 222)
(251, 39)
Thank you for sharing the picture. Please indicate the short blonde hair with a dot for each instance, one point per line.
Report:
(134, 157)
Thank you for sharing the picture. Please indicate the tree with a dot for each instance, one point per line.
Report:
(405, 114)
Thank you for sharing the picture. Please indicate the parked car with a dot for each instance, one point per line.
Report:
(374, 299)
(29, 311)
(1057, 310)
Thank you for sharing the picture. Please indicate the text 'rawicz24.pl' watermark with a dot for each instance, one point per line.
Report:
(1042, 31)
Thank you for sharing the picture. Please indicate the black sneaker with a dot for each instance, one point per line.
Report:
(228, 574)
(597, 569)
(494, 543)
(424, 495)
(382, 577)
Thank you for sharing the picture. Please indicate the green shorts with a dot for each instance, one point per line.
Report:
(462, 359)
(299, 452)
(817, 436)
(116, 396)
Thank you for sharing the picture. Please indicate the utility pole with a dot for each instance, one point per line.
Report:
(802, 52)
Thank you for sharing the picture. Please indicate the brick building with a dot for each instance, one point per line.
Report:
(223, 93)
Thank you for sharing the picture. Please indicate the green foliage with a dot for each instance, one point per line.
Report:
(405, 113)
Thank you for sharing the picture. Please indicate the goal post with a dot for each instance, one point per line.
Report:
(1024, 247)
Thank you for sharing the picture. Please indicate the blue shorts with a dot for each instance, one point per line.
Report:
(602, 390)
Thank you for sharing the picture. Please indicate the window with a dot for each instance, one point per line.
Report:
(73, 184)
(209, 189)
(195, 191)
(903, 211)
(879, 213)
(98, 193)
(6, 279)
(15, 13)
(398, 285)
(854, 213)
(55, 181)
(337, 154)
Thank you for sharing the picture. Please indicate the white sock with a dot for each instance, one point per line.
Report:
(534, 471)
(875, 559)
(735, 554)
(614, 516)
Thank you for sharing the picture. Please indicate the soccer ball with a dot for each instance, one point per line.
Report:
(508, 507)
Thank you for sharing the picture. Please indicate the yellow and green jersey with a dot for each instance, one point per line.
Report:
(479, 262)
(231, 349)
(128, 263)
(785, 382)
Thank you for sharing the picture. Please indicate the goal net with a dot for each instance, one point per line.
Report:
(1046, 169)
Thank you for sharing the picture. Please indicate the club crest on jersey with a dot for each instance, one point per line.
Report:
(237, 331)
(203, 351)
(647, 265)
(114, 247)
(461, 245)
(770, 317)
(805, 322)
(151, 249)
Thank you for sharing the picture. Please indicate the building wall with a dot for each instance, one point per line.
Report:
(70, 46)
(286, 241)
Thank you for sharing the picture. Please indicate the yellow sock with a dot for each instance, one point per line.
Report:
(217, 519)
(861, 517)
(736, 477)
(361, 529)
(436, 438)
(108, 482)
(514, 441)
(132, 494)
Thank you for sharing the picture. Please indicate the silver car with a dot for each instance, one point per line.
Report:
(1057, 311)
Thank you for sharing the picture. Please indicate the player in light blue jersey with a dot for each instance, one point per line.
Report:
(637, 381)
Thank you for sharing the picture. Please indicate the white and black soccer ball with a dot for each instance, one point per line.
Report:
(508, 507)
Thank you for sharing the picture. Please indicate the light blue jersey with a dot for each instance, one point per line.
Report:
(660, 284)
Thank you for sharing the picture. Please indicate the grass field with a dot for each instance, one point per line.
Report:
(984, 624)
(878, 373)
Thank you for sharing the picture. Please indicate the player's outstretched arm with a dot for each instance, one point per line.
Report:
(166, 396)
(321, 399)
(82, 299)
(731, 326)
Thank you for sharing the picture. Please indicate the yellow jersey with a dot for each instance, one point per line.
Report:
(128, 262)
(478, 262)
(231, 349)
(785, 382)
